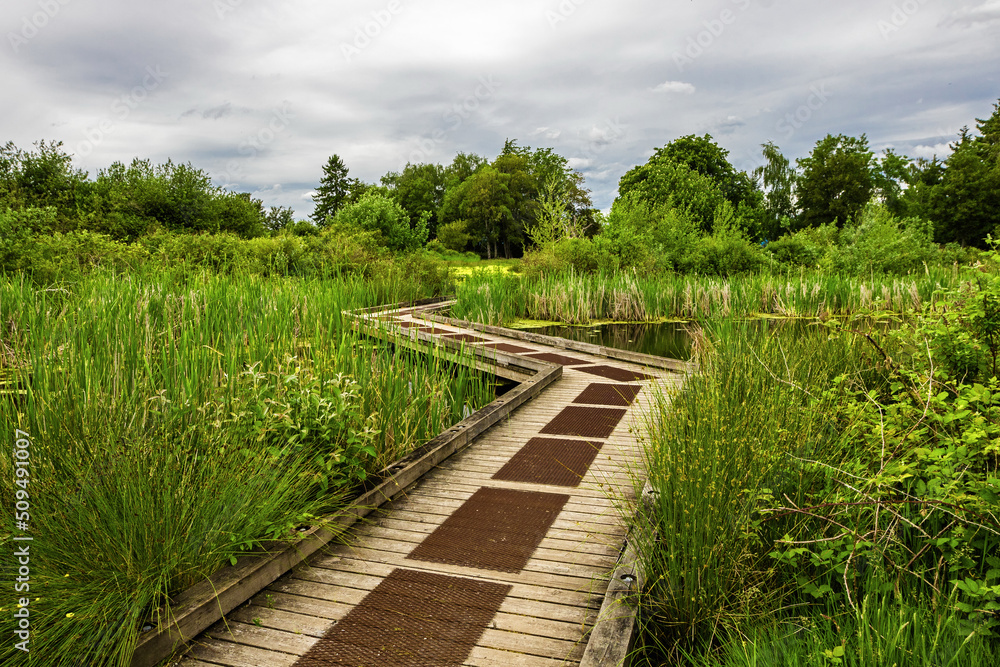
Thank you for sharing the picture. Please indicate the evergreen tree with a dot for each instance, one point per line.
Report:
(965, 204)
(333, 192)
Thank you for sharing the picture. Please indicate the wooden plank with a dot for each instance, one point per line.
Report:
(522, 603)
(403, 542)
(444, 498)
(540, 646)
(559, 575)
(575, 593)
(488, 657)
(302, 605)
(565, 541)
(611, 641)
(563, 343)
(563, 527)
(595, 524)
(230, 654)
(365, 575)
(556, 561)
(249, 634)
(280, 619)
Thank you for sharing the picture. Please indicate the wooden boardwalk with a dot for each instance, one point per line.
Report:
(554, 599)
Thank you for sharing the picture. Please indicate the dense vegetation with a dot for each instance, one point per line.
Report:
(687, 210)
(179, 419)
(831, 498)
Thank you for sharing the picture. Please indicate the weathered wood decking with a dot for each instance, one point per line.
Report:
(554, 600)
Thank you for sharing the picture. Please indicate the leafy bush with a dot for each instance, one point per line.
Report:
(807, 247)
(51, 258)
(133, 200)
(844, 483)
(881, 243)
(380, 214)
(454, 235)
(665, 182)
(877, 243)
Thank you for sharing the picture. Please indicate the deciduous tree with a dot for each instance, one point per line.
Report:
(838, 178)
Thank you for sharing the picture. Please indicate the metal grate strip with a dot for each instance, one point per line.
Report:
(495, 529)
(550, 461)
(617, 374)
(411, 618)
(608, 394)
(585, 421)
(560, 359)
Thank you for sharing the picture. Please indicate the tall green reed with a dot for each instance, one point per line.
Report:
(884, 630)
(716, 456)
(177, 421)
(626, 296)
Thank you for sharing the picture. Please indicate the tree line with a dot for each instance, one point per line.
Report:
(527, 199)
(495, 208)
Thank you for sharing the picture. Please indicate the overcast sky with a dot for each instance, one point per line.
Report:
(259, 93)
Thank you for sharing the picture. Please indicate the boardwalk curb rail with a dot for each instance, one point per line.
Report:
(613, 635)
(588, 348)
(208, 601)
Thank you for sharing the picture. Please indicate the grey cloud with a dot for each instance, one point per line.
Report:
(221, 111)
(580, 85)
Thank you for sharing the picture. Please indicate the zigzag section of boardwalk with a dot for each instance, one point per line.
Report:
(552, 601)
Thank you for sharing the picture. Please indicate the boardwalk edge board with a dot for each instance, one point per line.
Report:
(587, 348)
(612, 638)
(205, 603)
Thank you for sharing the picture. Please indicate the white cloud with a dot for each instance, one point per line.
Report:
(678, 87)
(983, 14)
(547, 133)
(941, 151)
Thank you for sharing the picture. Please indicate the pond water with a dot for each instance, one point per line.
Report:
(662, 339)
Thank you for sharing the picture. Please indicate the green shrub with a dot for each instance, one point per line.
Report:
(380, 214)
(52, 258)
(881, 243)
(807, 247)
(454, 235)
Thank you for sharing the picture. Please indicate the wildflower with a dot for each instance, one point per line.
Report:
(70, 615)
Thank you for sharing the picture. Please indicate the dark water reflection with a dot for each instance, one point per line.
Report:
(662, 339)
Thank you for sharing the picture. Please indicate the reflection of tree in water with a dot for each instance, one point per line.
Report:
(622, 336)
(664, 339)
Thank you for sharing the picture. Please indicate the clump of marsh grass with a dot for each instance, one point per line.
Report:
(715, 456)
(178, 422)
(577, 298)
